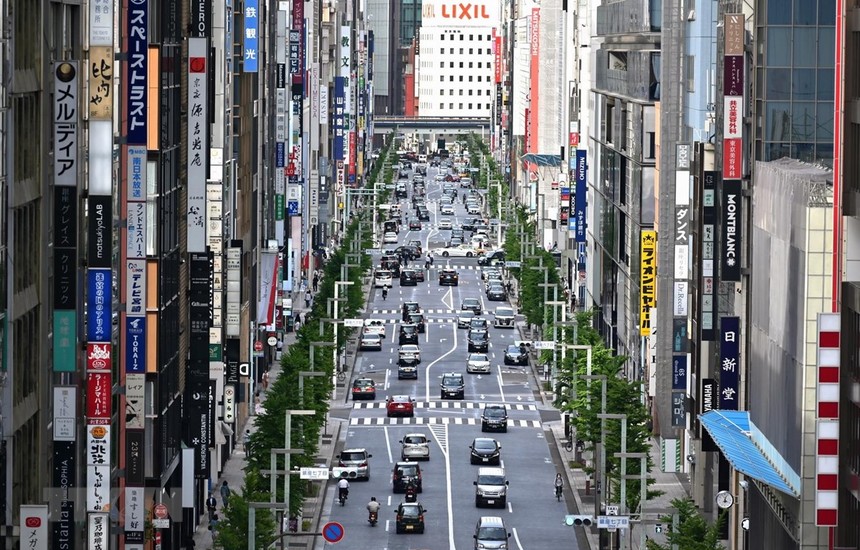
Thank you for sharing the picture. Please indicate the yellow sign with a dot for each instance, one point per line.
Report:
(101, 83)
(647, 280)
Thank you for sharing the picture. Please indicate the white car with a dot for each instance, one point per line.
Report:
(439, 177)
(414, 446)
(410, 351)
(478, 362)
(389, 238)
(461, 250)
(446, 209)
(374, 326)
(445, 223)
(382, 278)
(479, 241)
(473, 209)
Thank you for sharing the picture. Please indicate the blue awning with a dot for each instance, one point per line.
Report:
(542, 160)
(749, 451)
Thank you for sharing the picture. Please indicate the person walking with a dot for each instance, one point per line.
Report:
(225, 492)
(211, 503)
(315, 281)
(265, 380)
(246, 441)
(308, 298)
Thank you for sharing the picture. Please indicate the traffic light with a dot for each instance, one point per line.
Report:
(350, 472)
(578, 521)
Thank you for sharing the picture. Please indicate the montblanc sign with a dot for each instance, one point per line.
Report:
(730, 220)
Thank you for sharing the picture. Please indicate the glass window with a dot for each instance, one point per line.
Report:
(774, 151)
(803, 151)
(450, 105)
(826, 12)
(805, 47)
(824, 120)
(779, 12)
(803, 121)
(779, 47)
(470, 106)
(825, 83)
(470, 78)
(826, 48)
(778, 121)
(461, 106)
(441, 92)
(802, 85)
(470, 64)
(778, 84)
(471, 37)
(805, 12)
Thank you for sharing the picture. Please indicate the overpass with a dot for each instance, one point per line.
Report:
(447, 125)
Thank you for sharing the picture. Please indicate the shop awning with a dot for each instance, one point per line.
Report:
(749, 451)
(542, 160)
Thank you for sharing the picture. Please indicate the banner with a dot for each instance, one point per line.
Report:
(66, 86)
(198, 140)
(729, 363)
(647, 280)
(137, 68)
(580, 202)
(251, 24)
(730, 249)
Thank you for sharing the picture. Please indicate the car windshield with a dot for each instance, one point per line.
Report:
(363, 383)
(470, 302)
(416, 317)
(451, 380)
(352, 455)
(415, 439)
(504, 311)
(408, 471)
(492, 533)
(478, 357)
(514, 349)
(494, 412)
(485, 444)
(478, 336)
(409, 511)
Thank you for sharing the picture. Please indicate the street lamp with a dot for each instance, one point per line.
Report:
(288, 427)
(643, 493)
(601, 453)
(498, 185)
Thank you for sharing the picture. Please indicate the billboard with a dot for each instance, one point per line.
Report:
(66, 102)
(448, 13)
(251, 24)
(137, 69)
(647, 280)
(338, 121)
(730, 328)
(34, 527)
(579, 200)
(99, 297)
(730, 221)
(198, 140)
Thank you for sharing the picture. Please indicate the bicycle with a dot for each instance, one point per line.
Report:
(568, 446)
(558, 491)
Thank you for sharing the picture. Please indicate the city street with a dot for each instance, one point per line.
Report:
(532, 515)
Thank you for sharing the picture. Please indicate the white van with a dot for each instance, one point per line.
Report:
(382, 278)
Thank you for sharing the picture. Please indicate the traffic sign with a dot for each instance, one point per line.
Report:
(612, 509)
(258, 345)
(314, 473)
(160, 511)
(272, 341)
(332, 532)
(353, 322)
(613, 522)
(373, 251)
(543, 344)
(513, 264)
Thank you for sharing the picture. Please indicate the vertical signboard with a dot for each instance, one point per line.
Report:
(709, 394)
(709, 257)
(197, 373)
(647, 280)
(66, 88)
(827, 420)
(729, 363)
(137, 69)
(65, 466)
(198, 143)
(34, 527)
(579, 199)
(249, 65)
(730, 220)
(534, 81)
(338, 119)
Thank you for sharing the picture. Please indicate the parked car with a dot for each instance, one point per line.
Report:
(449, 277)
(494, 417)
(453, 386)
(485, 450)
(409, 518)
(357, 458)
(478, 363)
(504, 317)
(471, 304)
(399, 405)
(363, 388)
(516, 355)
(370, 342)
(414, 446)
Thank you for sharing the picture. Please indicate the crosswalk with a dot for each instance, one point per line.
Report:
(445, 405)
(420, 420)
(426, 311)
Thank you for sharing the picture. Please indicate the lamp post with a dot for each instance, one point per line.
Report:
(302, 375)
(315, 345)
(643, 492)
(498, 185)
(288, 426)
(337, 285)
(623, 455)
(601, 453)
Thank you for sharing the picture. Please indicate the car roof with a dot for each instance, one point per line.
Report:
(491, 521)
(400, 398)
(504, 309)
(470, 300)
(355, 450)
(416, 434)
(409, 347)
(495, 406)
(479, 354)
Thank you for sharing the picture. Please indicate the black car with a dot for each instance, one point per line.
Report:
(410, 307)
(491, 258)
(449, 277)
(485, 450)
(458, 233)
(392, 264)
(408, 278)
(410, 251)
(409, 518)
(494, 417)
(469, 224)
(417, 319)
(417, 245)
(453, 386)
(496, 293)
(424, 215)
(414, 224)
(478, 340)
(404, 473)
(471, 304)
(408, 334)
(516, 355)
(407, 368)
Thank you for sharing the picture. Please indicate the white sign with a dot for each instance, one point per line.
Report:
(98, 489)
(97, 532)
(680, 299)
(371, 251)
(272, 341)
(447, 13)
(65, 412)
(161, 523)
(34, 527)
(134, 506)
(543, 344)
(135, 393)
(353, 322)
(66, 123)
(314, 473)
(229, 404)
(613, 522)
(513, 264)
(198, 143)
(98, 445)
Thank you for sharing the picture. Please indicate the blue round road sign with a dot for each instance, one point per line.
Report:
(332, 532)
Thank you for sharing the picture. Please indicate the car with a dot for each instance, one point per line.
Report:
(370, 342)
(458, 233)
(409, 351)
(408, 278)
(409, 251)
(449, 277)
(414, 224)
(363, 388)
(409, 518)
(478, 340)
(417, 245)
(403, 473)
(459, 251)
(490, 273)
(478, 363)
(417, 319)
(516, 355)
(409, 307)
(455, 241)
(491, 257)
(468, 224)
(491, 488)
(444, 223)
(479, 241)
(493, 280)
(399, 405)
(471, 304)
(464, 318)
(473, 209)
(446, 209)
(504, 317)
(392, 263)
(382, 278)
(494, 417)
(408, 334)
(424, 215)
(485, 450)
(482, 228)
(407, 368)
(357, 458)
(400, 191)
(479, 324)
(415, 446)
(453, 386)
(490, 532)
(374, 326)
(495, 293)
(420, 276)
(389, 237)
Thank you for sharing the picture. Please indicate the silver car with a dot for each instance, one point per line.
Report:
(410, 351)
(358, 459)
(478, 362)
(504, 317)
(415, 446)
(464, 318)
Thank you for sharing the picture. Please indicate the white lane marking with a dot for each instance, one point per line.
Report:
(388, 521)
(387, 372)
(443, 436)
(450, 297)
(510, 508)
(389, 503)
(388, 444)
(501, 390)
(517, 538)
(449, 352)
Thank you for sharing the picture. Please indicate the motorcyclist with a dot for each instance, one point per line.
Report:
(372, 509)
(411, 490)
(342, 489)
(384, 292)
(559, 484)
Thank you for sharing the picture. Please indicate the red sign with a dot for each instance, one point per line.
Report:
(98, 357)
(732, 158)
(258, 346)
(353, 156)
(497, 56)
(33, 522)
(98, 397)
(574, 140)
(160, 511)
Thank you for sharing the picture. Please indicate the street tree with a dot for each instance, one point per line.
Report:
(692, 532)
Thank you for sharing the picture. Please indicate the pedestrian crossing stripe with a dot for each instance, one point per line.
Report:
(420, 420)
(430, 320)
(426, 311)
(445, 405)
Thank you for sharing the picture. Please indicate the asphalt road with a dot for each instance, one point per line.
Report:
(532, 515)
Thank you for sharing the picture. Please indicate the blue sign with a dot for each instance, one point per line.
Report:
(135, 344)
(99, 300)
(249, 45)
(580, 203)
(333, 531)
(137, 69)
(338, 125)
(280, 154)
(730, 329)
(292, 208)
(679, 372)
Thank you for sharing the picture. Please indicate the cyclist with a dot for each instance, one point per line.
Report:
(559, 485)
(342, 490)
(384, 292)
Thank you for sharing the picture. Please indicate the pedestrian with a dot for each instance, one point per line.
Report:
(265, 380)
(298, 321)
(308, 298)
(315, 281)
(213, 524)
(225, 493)
(246, 440)
(189, 543)
(211, 503)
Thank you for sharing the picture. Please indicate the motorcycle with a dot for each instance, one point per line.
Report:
(342, 494)
(411, 492)
(372, 518)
